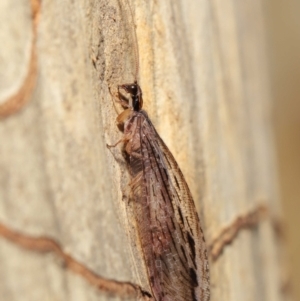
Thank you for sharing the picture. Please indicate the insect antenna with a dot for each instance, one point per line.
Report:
(136, 46)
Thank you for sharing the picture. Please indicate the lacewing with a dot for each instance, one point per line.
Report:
(169, 229)
(168, 226)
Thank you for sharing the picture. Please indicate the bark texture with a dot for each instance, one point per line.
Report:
(65, 230)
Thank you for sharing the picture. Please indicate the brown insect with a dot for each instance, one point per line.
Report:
(168, 225)
(169, 229)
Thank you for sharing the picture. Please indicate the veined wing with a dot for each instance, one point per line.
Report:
(168, 224)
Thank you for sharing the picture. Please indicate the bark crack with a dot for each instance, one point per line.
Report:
(48, 245)
(18, 100)
(127, 289)
(226, 236)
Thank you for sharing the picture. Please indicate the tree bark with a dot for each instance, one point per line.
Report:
(66, 231)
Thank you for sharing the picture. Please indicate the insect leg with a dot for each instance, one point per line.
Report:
(118, 142)
(125, 138)
(119, 99)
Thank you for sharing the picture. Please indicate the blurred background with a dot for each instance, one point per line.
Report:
(283, 26)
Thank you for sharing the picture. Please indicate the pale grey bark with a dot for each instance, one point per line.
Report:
(204, 77)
